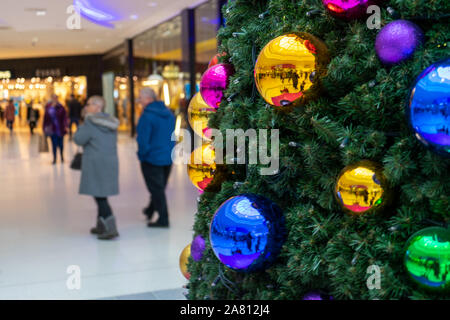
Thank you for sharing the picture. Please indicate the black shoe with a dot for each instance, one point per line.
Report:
(54, 162)
(148, 214)
(157, 225)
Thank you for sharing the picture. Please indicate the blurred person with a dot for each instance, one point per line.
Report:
(100, 163)
(55, 125)
(75, 108)
(154, 132)
(10, 115)
(2, 113)
(32, 117)
(29, 106)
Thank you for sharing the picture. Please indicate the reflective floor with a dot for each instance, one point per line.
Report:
(44, 228)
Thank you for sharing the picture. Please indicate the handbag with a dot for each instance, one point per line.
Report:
(43, 144)
(76, 162)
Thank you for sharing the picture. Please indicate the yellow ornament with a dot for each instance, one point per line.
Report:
(289, 68)
(198, 116)
(184, 256)
(202, 166)
(362, 188)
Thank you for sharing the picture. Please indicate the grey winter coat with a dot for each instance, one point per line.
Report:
(100, 163)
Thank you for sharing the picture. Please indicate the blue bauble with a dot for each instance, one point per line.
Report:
(247, 232)
(429, 107)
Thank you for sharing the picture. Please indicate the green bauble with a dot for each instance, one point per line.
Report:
(427, 258)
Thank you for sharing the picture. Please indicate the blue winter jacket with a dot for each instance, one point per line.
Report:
(154, 132)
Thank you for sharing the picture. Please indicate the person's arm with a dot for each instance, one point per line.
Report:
(83, 134)
(144, 131)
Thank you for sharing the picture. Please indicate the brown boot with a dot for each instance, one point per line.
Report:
(109, 229)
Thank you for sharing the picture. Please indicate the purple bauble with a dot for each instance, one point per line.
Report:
(197, 248)
(214, 81)
(397, 41)
(316, 295)
(348, 9)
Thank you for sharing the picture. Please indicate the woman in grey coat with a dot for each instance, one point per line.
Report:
(100, 163)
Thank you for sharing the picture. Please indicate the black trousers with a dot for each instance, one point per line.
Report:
(156, 178)
(104, 209)
(57, 142)
(32, 126)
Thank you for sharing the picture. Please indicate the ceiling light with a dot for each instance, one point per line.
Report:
(133, 17)
(41, 13)
(152, 4)
(96, 15)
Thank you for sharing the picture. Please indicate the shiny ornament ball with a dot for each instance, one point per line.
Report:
(214, 82)
(362, 188)
(289, 69)
(215, 59)
(198, 116)
(348, 9)
(202, 166)
(316, 295)
(428, 109)
(197, 248)
(184, 256)
(247, 232)
(397, 41)
(427, 258)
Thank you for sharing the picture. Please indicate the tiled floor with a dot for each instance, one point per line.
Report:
(44, 228)
(174, 294)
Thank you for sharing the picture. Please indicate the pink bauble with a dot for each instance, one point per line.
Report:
(348, 9)
(214, 82)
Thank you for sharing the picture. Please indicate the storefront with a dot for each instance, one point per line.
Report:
(170, 58)
(35, 92)
(31, 82)
(164, 59)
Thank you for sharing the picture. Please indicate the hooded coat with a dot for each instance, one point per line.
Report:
(154, 134)
(100, 163)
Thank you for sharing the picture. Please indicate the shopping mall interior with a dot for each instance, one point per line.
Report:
(111, 48)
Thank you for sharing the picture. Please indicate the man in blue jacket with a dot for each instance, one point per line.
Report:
(154, 132)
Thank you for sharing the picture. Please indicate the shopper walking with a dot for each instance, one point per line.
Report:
(100, 163)
(10, 115)
(154, 132)
(55, 123)
(74, 113)
(33, 117)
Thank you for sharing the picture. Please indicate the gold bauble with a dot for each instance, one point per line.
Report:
(184, 256)
(198, 116)
(362, 188)
(289, 69)
(202, 166)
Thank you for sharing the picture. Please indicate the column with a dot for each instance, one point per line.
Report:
(130, 59)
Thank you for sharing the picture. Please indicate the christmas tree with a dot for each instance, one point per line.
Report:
(350, 114)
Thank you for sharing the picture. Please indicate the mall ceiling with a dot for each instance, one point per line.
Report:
(39, 28)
